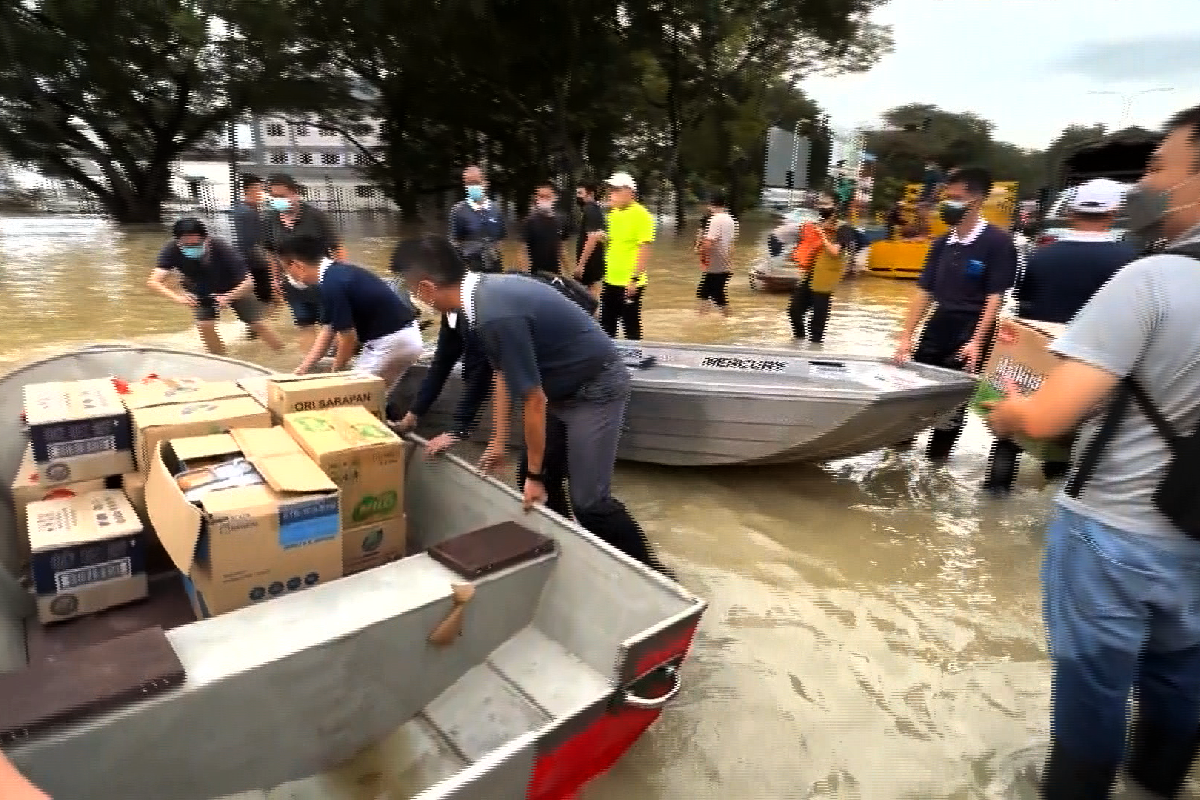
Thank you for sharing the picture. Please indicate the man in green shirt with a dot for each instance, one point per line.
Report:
(630, 232)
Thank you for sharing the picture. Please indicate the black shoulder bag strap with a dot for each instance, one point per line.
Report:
(1127, 389)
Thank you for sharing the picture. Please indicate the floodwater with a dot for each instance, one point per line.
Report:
(874, 629)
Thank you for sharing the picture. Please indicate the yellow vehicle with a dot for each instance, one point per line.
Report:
(903, 257)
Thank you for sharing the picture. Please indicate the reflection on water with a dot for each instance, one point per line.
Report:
(874, 625)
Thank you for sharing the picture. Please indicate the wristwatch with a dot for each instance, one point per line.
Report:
(535, 476)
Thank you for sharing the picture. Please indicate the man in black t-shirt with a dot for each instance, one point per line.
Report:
(213, 276)
(589, 249)
(544, 232)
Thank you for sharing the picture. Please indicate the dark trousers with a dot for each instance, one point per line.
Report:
(944, 334)
(712, 287)
(804, 300)
(554, 467)
(592, 420)
(616, 307)
(1004, 461)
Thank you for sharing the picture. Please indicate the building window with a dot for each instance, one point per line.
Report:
(360, 160)
(304, 191)
(366, 192)
(279, 157)
(331, 159)
(326, 132)
(299, 129)
(275, 129)
(304, 159)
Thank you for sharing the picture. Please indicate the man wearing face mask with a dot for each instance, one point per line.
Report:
(290, 215)
(1121, 595)
(357, 308)
(213, 276)
(589, 249)
(544, 232)
(822, 274)
(966, 274)
(476, 225)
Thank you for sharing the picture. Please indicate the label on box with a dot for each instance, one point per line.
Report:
(306, 522)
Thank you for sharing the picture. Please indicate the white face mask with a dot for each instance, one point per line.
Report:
(295, 283)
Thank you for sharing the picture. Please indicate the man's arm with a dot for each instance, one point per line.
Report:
(15, 786)
(347, 345)
(918, 307)
(319, 348)
(510, 349)
(1103, 344)
(477, 385)
(329, 231)
(157, 283)
(448, 350)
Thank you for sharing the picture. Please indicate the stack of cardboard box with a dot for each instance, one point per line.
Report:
(251, 491)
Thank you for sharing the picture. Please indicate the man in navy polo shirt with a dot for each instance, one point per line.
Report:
(1058, 280)
(966, 274)
(357, 308)
(476, 225)
(552, 357)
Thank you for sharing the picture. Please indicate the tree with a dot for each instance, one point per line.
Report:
(1064, 144)
(129, 85)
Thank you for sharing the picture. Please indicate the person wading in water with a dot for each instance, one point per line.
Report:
(824, 271)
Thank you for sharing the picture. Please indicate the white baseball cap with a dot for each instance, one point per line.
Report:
(622, 180)
(1099, 196)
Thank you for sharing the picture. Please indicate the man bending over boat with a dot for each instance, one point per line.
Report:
(212, 276)
(357, 308)
(558, 363)
(15, 786)
(455, 341)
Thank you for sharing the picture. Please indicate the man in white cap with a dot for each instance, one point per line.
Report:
(630, 232)
(1059, 279)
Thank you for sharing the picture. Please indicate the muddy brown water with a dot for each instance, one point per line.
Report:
(874, 629)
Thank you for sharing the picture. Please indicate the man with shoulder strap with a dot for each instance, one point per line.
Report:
(1121, 575)
(477, 224)
(1058, 280)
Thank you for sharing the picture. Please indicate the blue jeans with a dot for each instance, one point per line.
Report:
(1122, 613)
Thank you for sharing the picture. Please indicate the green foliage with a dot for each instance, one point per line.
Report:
(130, 84)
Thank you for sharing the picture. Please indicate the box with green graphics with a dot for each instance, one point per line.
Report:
(1025, 360)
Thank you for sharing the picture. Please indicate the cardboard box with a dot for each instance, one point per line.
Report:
(79, 430)
(290, 394)
(244, 545)
(373, 545)
(175, 391)
(134, 486)
(1026, 362)
(256, 387)
(364, 457)
(28, 486)
(88, 554)
(161, 423)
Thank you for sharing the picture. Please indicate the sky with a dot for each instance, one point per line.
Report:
(1028, 65)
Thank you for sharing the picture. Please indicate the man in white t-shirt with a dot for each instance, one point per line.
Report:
(716, 255)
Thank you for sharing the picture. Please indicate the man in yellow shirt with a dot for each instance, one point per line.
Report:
(630, 232)
(819, 278)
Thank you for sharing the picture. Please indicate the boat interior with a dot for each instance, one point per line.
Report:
(285, 690)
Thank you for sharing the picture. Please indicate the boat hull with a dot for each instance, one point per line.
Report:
(681, 416)
(574, 653)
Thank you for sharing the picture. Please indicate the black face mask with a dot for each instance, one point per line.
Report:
(825, 213)
(952, 212)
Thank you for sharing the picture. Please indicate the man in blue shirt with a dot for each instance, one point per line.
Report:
(966, 274)
(551, 357)
(477, 225)
(357, 308)
(1058, 280)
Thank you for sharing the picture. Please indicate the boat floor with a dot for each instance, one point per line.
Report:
(524, 684)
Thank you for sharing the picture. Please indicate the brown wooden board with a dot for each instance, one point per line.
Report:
(167, 607)
(491, 549)
(87, 682)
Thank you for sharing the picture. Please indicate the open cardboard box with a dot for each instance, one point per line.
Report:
(160, 413)
(1026, 362)
(288, 394)
(243, 545)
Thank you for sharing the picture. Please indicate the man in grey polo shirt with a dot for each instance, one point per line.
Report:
(553, 358)
(1121, 579)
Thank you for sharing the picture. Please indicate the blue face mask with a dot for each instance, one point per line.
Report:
(192, 250)
(475, 193)
(281, 203)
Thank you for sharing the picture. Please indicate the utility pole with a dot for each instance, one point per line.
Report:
(1127, 99)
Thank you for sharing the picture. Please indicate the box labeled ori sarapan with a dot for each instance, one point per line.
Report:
(88, 553)
(1026, 361)
(79, 430)
(214, 407)
(246, 517)
(363, 456)
(288, 394)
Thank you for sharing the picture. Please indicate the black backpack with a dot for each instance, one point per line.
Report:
(1177, 495)
(569, 288)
